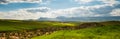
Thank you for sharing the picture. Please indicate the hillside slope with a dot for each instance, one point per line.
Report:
(110, 30)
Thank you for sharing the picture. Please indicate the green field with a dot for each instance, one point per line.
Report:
(13, 25)
(108, 30)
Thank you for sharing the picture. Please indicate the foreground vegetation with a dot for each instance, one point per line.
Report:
(109, 30)
(106, 32)
(15, 29)
(16, 25)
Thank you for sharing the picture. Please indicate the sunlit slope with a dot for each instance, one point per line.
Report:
(10, 25)
(110, 30)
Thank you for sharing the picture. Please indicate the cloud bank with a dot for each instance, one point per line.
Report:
(25, 14)
(106, 2)
(109, 8)
(22, 14)
(115, 12)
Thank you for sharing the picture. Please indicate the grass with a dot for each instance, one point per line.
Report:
(16, 25)
(111, 30)
(106, 32)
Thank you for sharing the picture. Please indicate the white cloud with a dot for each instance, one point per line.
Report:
(32, 1)
(110, 2)
(39, 9)
(73, 12)
(20, 15)
(107, 2)
(21, 1)
(78, 12)
(24, 14)
(36, 13)
(115, 12)
(84, 1)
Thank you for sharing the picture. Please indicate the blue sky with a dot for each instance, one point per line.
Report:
(34, 9)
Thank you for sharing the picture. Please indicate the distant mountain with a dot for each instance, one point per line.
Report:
(83, 19)
(48, 19)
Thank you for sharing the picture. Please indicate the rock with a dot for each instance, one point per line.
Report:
(2, 37)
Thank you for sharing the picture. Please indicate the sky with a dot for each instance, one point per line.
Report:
(35, 9)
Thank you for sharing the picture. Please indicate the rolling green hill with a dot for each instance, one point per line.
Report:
(11, 25)
(106, 32)
(18, 29)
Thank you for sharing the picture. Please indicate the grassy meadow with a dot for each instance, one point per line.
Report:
(16, 25)
(16, 29)
(106, 32)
